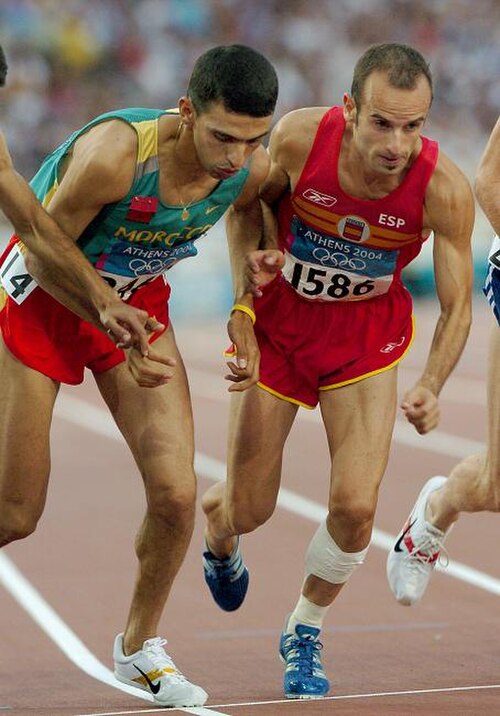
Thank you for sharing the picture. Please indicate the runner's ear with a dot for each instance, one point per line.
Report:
(350, 109)
(186, 111)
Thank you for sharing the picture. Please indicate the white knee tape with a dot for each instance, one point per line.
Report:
(326, 560)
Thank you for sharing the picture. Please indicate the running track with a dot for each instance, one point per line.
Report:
(64, 592)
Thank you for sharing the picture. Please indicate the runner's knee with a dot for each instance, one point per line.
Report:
(325, 559)
(482, 471)
(354, 513)
(16, 523)
(492, 489)
(245, 517)
(477, 477)
(174, 504)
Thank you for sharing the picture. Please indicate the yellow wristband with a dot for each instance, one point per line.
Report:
(245, 309)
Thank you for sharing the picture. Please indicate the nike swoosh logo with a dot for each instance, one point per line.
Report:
(211, 208)
(397, 546)
(154, 687)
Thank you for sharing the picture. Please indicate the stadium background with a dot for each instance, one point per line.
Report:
(71, 60)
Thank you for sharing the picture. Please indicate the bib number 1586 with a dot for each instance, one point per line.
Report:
(313, 281)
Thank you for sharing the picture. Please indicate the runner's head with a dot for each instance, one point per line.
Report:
(403, 66)
(229, 106)
(390, 98)
(239, 77)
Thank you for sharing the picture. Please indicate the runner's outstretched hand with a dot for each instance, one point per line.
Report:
(421, 409)
(245, 351)
(152, 370)
(261, 267)
(128, 326)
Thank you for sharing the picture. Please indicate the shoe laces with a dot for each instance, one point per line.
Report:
(304, 652)
(425, 551)
(157, 654)
(223, 568)
(220, 568)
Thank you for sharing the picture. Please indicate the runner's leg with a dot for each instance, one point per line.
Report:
(27, 399)
(359, 420)
(157, 424)
(474, 484)
(259, 424)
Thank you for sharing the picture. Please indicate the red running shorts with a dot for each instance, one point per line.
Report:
(311, 346)
(48, 337)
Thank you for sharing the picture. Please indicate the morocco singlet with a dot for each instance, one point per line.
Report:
(339, 312)
(131, 243)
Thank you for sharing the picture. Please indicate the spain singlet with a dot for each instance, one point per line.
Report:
(342, 248)
(138, 238)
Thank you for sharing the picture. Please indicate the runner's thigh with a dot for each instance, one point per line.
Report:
(359, 420)
(27, 401)
(259, 424)
(157, 423)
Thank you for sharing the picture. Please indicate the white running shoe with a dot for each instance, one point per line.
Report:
(152, 670)
(412, 559)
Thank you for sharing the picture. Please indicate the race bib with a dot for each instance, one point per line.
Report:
(333, 268)
(15, 279)
(126, 286)
(332, 284)
(19, 284)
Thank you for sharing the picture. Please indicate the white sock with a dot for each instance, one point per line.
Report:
(306, 612)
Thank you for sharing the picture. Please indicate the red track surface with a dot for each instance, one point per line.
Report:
(81, 561)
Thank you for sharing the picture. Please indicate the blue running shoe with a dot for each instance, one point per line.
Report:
(227, 578)
(304, 676)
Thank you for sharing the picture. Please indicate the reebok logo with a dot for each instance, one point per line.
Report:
(154, 687)
(318, 197)
(392, 346)
(397, 546)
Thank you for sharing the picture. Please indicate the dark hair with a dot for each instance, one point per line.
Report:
(238, 76)
(403, 64)
(3, 67)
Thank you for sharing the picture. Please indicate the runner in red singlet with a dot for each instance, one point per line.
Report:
(356, 190)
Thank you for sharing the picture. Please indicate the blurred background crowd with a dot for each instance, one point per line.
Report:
(72, 59)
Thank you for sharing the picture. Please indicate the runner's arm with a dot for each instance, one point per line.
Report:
(450, 215)
(255, 258)
(487, 183)
(289, 146)
(59, 266)
(244, 229)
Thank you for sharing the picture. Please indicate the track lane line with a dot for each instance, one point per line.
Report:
(83, 414)
(25, 594)
(304, 507)
(97, 420)
(51, 623)
(341, 697)
(208, 386)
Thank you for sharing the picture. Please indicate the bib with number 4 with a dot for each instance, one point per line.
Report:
(15, 279)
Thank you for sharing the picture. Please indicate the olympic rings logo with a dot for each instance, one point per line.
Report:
(338, 259)
(140, 267)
